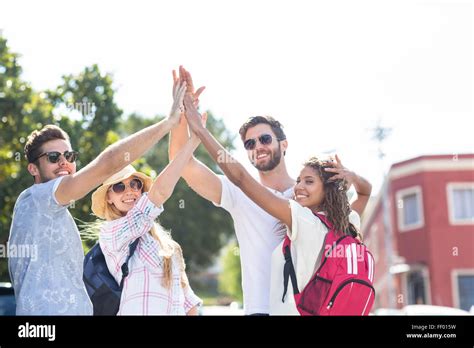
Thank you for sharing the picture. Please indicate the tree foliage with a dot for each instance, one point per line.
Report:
(21, 111)
(230, 279)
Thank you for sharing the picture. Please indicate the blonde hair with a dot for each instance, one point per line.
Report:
(167, 245)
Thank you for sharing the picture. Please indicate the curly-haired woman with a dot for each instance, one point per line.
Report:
(321, 188)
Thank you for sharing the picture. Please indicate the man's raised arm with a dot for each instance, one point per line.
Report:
(118, 155)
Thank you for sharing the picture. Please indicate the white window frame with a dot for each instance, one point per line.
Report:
(400, 211)
(450, 187)
(455, 273)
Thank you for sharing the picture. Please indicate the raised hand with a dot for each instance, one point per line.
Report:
(186, 76)
(342, 173)
(361, 185)
(179, 90)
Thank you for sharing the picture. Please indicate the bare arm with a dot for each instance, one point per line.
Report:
(197, 175)
(117, 156)
(362, 186)
(272, 204)
(164, 184)
(363, 189)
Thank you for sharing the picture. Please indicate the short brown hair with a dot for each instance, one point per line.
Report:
(276, 126)
(38, 137)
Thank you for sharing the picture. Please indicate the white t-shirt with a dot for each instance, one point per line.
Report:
(258, 233)
(307, 237)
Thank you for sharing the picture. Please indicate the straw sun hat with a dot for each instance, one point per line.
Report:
(99, 197)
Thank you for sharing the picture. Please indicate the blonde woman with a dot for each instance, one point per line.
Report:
(129, 202)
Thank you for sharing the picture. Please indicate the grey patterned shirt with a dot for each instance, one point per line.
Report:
(46, 256)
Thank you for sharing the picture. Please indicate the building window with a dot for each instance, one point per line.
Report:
(410, 209)
(461, 203)
(416, 288)
(411, 213)
(463, 288)
(416, 285)
(466, 291)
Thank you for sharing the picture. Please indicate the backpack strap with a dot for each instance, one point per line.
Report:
(125, 269)
(288, 269)
(329, 225)
(324, 220)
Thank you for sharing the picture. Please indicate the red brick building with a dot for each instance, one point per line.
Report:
(429, 224)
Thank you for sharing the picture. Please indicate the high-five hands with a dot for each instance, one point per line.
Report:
(190, 97)
(179, 90)
(186, 76)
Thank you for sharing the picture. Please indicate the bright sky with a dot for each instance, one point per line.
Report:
(328, 70)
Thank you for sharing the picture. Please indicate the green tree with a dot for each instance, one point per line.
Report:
(21, 111)
(230, 279)
(89, 98)
(85, 106)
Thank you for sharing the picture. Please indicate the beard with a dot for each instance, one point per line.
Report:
(43, 177)
(275, 158)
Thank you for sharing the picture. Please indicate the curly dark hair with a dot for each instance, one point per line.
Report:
(335, 203)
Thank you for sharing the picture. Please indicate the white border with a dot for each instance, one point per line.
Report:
(449, 193)
(454, 283)
(400, 212)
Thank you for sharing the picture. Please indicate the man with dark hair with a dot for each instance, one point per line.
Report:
(276, 126)
(33, 150)
(277, 129)
(258, 232)
(48, 281)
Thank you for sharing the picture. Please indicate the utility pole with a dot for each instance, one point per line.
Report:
(380, 134)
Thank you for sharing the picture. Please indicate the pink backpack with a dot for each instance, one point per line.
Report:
(342, 284)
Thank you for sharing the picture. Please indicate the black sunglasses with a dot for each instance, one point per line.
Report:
(53, 156)
(135, 184)
(264, 139)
